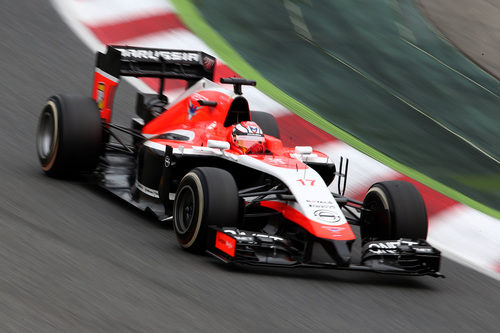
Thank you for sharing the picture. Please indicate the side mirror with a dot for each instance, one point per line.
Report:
(303, 150)
(217, 144)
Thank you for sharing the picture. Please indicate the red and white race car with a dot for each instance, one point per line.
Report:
(220, 173)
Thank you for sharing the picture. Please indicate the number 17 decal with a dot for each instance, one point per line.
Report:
(306, 182)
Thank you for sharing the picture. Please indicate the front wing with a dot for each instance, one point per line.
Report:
(397, 257)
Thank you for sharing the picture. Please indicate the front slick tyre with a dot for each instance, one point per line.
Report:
(393, 210)
(69, 136)
(205, 196)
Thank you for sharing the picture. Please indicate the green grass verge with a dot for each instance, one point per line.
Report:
(191, 17)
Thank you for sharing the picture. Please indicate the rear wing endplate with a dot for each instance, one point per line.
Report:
(190, 66)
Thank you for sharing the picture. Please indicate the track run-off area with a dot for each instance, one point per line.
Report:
(75, 259)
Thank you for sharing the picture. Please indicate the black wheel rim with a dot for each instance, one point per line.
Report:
(376, 220)
(46, 135)
(186, 209)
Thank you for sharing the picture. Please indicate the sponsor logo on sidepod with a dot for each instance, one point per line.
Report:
(326, 216)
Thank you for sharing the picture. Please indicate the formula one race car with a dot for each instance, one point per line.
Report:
(220, 173)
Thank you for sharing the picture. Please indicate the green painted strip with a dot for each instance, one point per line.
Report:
(195, 21)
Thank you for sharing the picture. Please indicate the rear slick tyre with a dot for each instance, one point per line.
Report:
(205, 196)
(394, 210)
(69, 136)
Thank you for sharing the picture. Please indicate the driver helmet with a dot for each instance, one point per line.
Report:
(248, 137)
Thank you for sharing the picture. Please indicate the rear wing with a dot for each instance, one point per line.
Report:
(119, 61)
(161, 63)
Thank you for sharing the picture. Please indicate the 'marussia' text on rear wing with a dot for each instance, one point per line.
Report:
(118, 61)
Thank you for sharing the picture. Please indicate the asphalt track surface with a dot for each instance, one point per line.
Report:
(74, 259)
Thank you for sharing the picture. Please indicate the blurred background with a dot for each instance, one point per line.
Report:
(382, 72)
